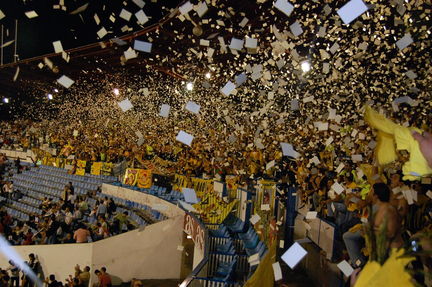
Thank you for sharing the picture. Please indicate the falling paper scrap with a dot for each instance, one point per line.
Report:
(192, 107)
(141, 17)
(125, 14)
(296, 29)
(79, 9)
(218, 187)
(240, 79)
(337, 188)
(351, 10)
(125, 105)
(236, 44)
(139, 3)
(187, 206)
(254, 219)
(293, 255)
(16, 74)
(288, 150)
(31, 14)
(65, 81)
(254, 259)
(164, 110)
(130, 54)
(58, 48)
(186, 8)
(185, 138)
(8, 43)
(284, 6)
(346, 268)
(102, 32)
(277, 271)
(251, 43)
(142, 46)
(190, 195)
(139, 134)
(228, 88)
(404, 42)
(201, 8)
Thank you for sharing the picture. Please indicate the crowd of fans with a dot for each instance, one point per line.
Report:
(372, 193)
(13, 276)
(70, 219)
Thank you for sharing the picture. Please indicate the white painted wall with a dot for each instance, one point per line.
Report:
(165, 207)
(148, 254)
(58, 259)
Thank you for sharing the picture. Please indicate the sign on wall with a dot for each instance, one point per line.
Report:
(194, 230)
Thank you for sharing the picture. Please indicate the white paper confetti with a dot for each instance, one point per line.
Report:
(65, 81)
(294, 255)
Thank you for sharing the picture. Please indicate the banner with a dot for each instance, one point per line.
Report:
(266, 195)
(179, 182)
(212, 209)
(107, 168)
(192, 227)
(202, 186)
(81, 165)
(144, 179)
(96, 168)
(139, 177)
(231, 183)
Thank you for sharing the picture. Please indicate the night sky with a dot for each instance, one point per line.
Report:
(35, 36)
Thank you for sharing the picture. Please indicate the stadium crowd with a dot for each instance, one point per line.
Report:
(373, 194)
(70, 219)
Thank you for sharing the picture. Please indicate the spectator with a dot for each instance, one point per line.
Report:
(101, 208)
(103, 280)
(34, 266)
(70, 187)
(14, 278)
(123, 219)
(68, 238)
(387, 219)
(53, 230)
(81, 234)
(83, 276)
(107, 277)
(52, 282)
(136, 283)
(8, 189)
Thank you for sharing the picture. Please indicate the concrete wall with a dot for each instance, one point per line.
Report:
(148, 254)
(58, 259)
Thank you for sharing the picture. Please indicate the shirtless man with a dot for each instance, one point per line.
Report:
(387, 214)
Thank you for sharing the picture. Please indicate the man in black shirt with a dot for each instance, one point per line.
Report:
(34, 266)
(52, 282)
